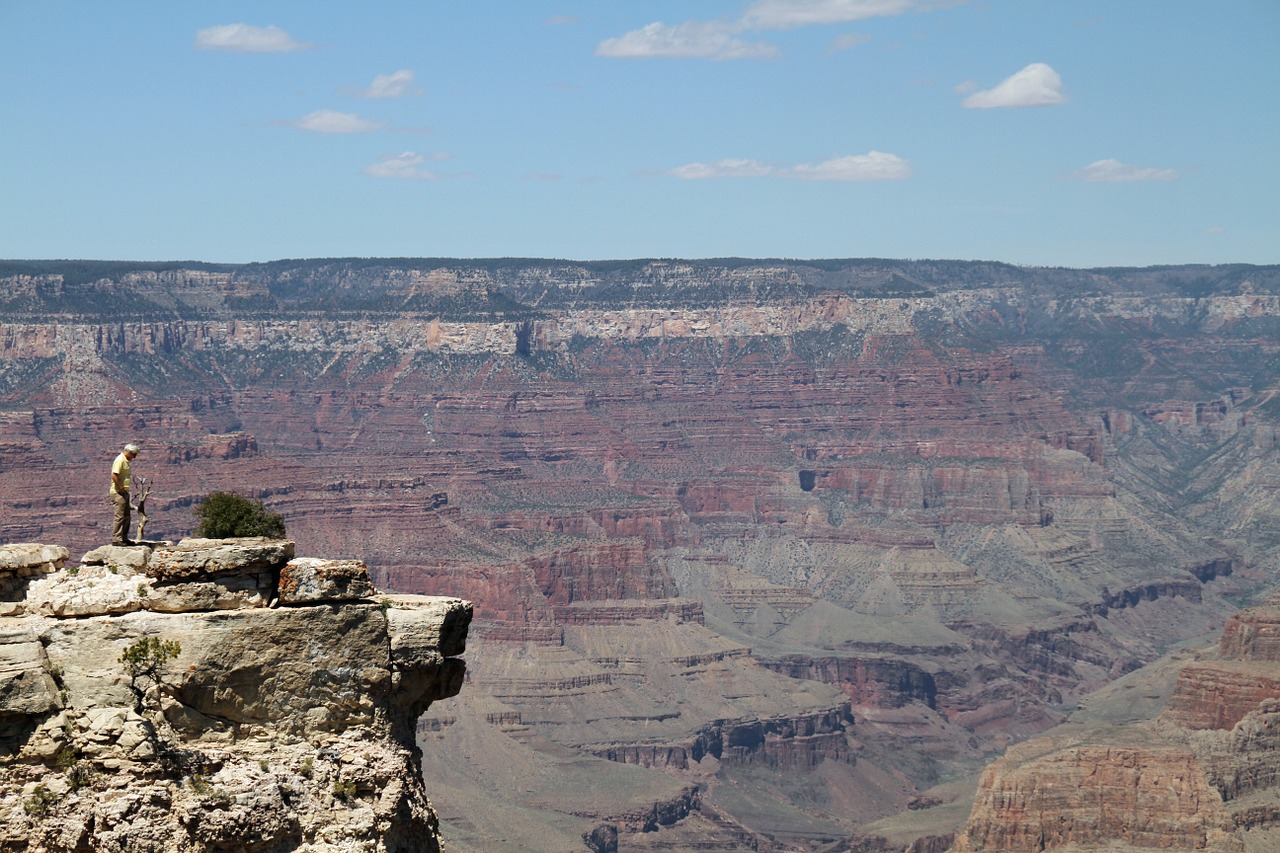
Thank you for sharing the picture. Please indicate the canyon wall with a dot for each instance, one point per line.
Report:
(720, 520)
(1203, 776)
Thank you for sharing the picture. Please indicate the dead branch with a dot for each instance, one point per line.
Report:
(141, 506)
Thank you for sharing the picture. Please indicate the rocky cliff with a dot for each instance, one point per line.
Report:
(721, 520)
(215, 695)
(1204, 776)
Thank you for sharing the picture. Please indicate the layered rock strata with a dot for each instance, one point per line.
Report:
(215, 695)
(940, 500)
(1204, 777)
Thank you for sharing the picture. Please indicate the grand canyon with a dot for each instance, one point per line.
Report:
(843, 555)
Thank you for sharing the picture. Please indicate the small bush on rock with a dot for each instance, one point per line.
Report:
(144, 658)
(227, 515)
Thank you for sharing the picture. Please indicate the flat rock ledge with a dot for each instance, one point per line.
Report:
(270, 707)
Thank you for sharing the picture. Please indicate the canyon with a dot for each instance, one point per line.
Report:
(763, 554)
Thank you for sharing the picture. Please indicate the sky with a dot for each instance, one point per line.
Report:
(1037, 132)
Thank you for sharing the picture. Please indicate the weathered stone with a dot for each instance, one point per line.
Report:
(30, 559)
(423, 626)
(223, 593)
(309, 580)
(132, 556)
(203, 558)
(91, 591)
(26, 686)
(271, 729)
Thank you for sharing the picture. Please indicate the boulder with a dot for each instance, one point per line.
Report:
(193, 559)
(132, 556)
(310, 580)
(31, 559)
(423, 626)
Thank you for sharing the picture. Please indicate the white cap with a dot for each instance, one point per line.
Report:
(131, 448)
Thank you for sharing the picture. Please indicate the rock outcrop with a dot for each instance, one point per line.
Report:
(1205, 776)
(215, 695)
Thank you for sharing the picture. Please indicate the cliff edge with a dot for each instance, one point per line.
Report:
(215, 695)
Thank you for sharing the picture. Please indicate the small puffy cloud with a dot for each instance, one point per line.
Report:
(695, 39)
(1215, 229)
(331, 121)
(1115, 172)
(404, 166)
(872, 166)
(396, 85)
(786, 14)
(1037, 85)
(246, 38)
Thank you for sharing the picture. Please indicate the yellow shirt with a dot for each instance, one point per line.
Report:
(122, 467)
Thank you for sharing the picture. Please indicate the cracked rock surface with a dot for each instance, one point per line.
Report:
(249, 727)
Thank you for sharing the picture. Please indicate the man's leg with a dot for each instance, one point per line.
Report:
(120, 526)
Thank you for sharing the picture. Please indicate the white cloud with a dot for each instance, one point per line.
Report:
(872, 166)
(1036, 85)
(246, 38)
(718, 39)
(395, 85)
(1115, 172)
(331, 121)
(721, 169)
(403, 166)
(786, 14)
(697, 40)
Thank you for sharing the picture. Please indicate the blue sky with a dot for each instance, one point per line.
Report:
(1038, 132)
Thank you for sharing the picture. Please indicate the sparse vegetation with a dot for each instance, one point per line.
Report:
(144, 659)
(225, 515)
(40, 801)
(344, 789)
(65, 757)
(216, 796)
(80, 775)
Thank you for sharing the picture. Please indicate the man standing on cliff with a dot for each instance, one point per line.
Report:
(121, 481)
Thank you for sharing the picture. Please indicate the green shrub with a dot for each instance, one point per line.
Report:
(40, 801)
(146, 656)
(226, 515)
